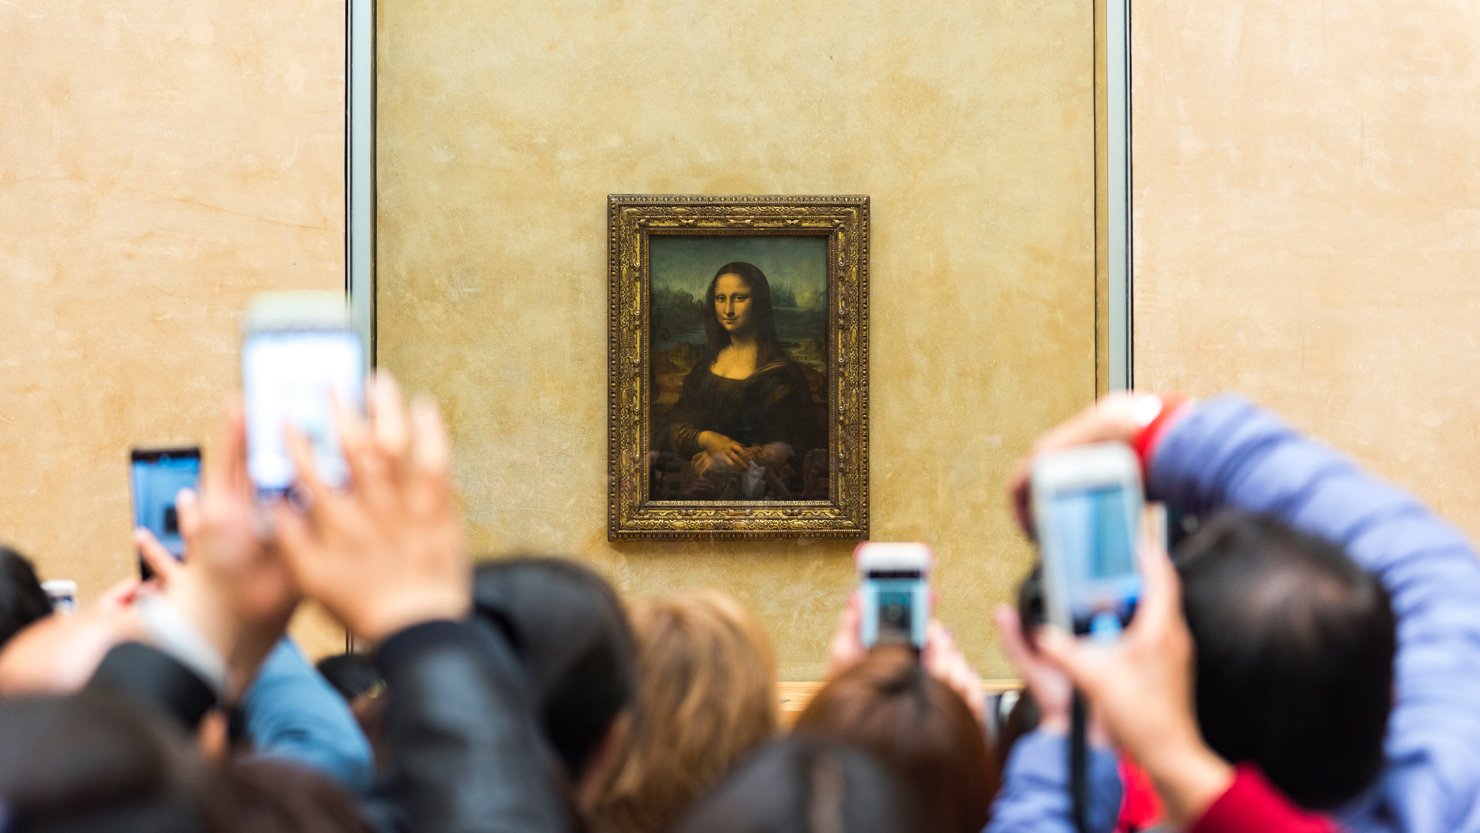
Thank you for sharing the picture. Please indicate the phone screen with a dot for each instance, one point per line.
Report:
(1095, 531)
(291, 377)
(895, 608)
(155, 477)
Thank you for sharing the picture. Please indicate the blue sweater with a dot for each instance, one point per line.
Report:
(293, 714)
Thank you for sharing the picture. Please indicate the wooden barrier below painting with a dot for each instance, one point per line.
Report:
(793, 697)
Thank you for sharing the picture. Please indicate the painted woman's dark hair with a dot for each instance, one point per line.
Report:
(760, 303)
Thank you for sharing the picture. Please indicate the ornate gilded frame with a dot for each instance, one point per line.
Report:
(632, 222)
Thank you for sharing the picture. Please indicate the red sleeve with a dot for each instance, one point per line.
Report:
(1140, 807)
(1251, 804)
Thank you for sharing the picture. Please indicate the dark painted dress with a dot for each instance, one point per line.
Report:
(773, 405)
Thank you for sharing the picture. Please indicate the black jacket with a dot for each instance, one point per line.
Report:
(466, 756)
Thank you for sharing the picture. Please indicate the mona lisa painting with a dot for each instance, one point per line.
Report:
(738, 358)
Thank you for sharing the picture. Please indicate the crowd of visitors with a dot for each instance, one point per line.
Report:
(1307, 660)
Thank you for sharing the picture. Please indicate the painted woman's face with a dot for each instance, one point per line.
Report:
(732, 304)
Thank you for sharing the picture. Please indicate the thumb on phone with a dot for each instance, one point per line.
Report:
(160, 561)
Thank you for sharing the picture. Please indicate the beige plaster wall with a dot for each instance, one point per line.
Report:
(1307, 221)
(159, 162)
(502, 128)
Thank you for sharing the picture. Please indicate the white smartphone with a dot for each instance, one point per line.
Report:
(1087, 511)
(300, 351)
(894, 590)
(62, 593)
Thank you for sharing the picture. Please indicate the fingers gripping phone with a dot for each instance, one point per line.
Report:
(299, 353)
(1087, 511)
(156, 475)
(894, 591)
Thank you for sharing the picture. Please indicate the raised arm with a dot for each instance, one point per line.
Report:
(1229, 453)
(387, 560)
(292, 714)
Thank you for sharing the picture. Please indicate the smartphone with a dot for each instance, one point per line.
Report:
(1087, 511)
(300, 352)
(894, 591)
(62, 593)
(156, 475)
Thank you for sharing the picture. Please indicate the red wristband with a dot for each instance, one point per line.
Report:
(1147, 439)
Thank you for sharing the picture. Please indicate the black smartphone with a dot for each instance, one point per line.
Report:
(156, 475)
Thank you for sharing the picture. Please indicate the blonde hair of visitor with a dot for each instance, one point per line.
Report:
(706, 697)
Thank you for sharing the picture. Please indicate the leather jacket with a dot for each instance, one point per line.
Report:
(466, 755)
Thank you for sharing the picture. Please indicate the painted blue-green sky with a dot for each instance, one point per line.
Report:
(688, 263)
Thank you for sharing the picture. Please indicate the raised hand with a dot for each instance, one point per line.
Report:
(1113, 418)
(388, 553)
(161, 563)
(846, 646)
(943, 659)
(946, 662)
(1141, 689)
(1048, 683)
(233, 585)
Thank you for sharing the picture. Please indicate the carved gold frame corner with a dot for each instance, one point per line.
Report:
(632, 221)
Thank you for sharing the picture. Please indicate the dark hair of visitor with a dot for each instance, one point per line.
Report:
(805, 785)
(351, 674)
(1022, 719)
(890, 706)
(761, 308)
(96, 764)
(257, 795)
(570, 630)
(22, 601)
(1295, 647)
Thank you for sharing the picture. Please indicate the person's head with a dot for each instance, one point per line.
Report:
(1295, 647)
(805, 785)
(95, 764)
(706, 697)
(738, 302)
(889, 705)
(1022, 719)
(22, 601)
(570, 631)
(254, 795)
